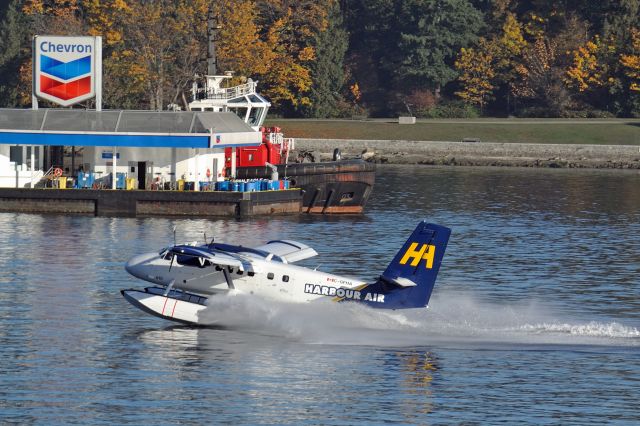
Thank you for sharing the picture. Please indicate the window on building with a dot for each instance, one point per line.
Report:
(15, 154)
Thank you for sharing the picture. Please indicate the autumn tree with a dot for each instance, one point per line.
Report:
(290, 29)
(540, 79)
(476, 75)
(239, 47)
(631, 61)
(491, 65)
(621, 18)
(288, 77)
(586, 70)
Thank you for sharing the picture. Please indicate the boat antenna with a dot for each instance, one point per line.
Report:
(174, 235)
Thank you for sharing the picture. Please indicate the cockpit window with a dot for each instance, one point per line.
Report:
(200, 262)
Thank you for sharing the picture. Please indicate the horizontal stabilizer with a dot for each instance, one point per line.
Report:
(290, 251)
(400, 281)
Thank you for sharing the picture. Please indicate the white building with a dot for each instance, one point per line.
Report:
(151, 147)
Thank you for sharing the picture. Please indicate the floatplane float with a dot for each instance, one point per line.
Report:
(186, 276)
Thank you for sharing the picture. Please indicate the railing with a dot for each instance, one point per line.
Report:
(286, 144)
(36, 177)
(227, 92)
(47, 177)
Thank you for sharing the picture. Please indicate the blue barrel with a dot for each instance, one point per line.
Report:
(120, 180)
(222, 186)
(235, 186)
(250, 187)
(274, 185)
(286, 184)
(242, 186)
(189, 186)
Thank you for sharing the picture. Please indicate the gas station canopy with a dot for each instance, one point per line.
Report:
(146, 129)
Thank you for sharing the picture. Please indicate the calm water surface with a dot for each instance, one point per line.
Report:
(535, 317)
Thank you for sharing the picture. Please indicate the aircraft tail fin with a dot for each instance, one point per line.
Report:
(409, 279)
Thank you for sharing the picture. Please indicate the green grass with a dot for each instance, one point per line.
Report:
(602, 132)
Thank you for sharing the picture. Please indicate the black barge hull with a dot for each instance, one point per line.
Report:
(335, 187)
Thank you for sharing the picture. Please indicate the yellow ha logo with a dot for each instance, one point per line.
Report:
(426, 252)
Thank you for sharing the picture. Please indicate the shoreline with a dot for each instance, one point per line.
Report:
(475, 153)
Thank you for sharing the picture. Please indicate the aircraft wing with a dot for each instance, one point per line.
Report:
(291, 251)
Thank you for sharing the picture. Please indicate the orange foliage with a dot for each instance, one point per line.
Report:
(477, 72)
(631, 61)
(585, 71)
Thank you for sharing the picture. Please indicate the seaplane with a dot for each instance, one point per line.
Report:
(187, 276)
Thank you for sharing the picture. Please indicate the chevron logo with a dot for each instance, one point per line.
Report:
(64, 68)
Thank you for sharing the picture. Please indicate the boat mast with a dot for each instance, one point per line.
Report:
(212, 29)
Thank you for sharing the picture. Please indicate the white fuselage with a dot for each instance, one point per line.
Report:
(266, 278)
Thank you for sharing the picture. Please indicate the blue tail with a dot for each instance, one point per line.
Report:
(409, 279)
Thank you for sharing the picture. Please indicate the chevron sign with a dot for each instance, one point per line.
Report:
(65, 68)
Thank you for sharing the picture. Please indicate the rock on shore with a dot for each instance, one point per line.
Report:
(476, 153)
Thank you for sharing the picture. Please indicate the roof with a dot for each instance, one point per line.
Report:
(181, 129)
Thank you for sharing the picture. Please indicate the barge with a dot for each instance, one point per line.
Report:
(332, 187)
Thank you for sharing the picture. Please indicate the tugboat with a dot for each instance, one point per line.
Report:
(339, 186)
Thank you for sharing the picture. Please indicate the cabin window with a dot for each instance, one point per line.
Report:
(285, 278)
(240, 272)
(218, 268)
(251, 273)
(270, 275)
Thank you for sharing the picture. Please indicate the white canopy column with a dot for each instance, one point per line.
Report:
(233, 162)
(114, 179)
(33, 163)
(196, 184)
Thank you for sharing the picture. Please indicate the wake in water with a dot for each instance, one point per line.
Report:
(450, 319)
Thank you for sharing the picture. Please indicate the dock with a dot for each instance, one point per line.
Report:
(150, 203)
